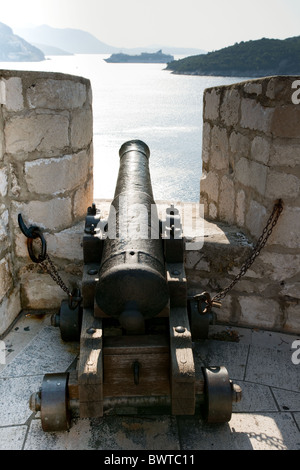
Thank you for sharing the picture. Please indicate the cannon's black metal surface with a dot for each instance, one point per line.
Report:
(132, 265)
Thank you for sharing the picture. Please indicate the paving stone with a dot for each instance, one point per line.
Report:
(262, 364)
(45, 354)
(255, 398)
(267, 431)
(111, 433)
(12, 438)
(287, 401)
(213, 353)
(15, 409)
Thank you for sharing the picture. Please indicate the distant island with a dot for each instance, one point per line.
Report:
(143, 58)
(263, 57)
(15, 49)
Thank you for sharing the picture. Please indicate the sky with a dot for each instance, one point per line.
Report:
(203, 24)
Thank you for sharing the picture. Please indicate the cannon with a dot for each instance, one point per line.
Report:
(135, 323)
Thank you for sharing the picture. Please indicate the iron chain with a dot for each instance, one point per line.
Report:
(272, 221)
(49, 268)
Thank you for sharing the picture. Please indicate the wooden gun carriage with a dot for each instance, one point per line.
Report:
(135, 323)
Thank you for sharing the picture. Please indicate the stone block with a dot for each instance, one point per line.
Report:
(38, 291)
(255, 116)
(227, 200)
(286, 122)
(251, 174)
(56, 94)
(83, 198)
(11, 93)
(81, 128)
(212, 211)
(67, 243)
(259, 312)
(206, 142)
(279, 267)
(54, 214)
(260, 150)
(41, 132)
(57, 175)
(6, 279)
(285, 153)
(3, 182)
(229, 110)
(256, 219)
(253, 88)
(219, 159)
(209, 184)
(211, 104)
(287, 230)
(239, 145)
(292, 321)
(240, 208)
(282, 185)
(10, 308)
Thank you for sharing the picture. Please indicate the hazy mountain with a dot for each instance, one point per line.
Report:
(73, 41)
(15, 49)
(76, 41)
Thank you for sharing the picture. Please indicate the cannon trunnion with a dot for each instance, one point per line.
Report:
(135, 324)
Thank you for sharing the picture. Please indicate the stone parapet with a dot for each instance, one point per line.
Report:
(46, 174)
(251, 156)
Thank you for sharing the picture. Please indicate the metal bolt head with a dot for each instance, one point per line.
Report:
(180, 329)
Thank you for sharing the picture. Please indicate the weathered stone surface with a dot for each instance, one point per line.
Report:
(286, 122)
(10, 307)
(227, 200)
(11, 93)
(229, 110)
(38, 291)
(260, 150)
(285, 154)
(240, 208)
(212, 102)
(255, 116)
(67, 243)
(287, 232)
(205, 142)
(210, 185)
(6, 281)
(83, 198)
(253, 88)
(239, 145)
(259, 311)
(282, 185)
(57, 175)
(42, 132)
(56, 94)
(251, 174)
(219, 149)
(256, 218)
(3, 182)
(53, 214)
(280, 267)
(81, 128)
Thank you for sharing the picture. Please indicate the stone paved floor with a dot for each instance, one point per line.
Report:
(268, 418)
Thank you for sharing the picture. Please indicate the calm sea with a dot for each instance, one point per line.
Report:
(146, 102)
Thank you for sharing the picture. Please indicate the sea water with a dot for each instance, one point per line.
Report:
(145, 102)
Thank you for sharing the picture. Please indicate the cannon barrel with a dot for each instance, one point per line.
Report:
(132, 282)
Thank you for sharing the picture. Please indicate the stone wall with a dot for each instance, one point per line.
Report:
(251, 155)
(46, 174)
